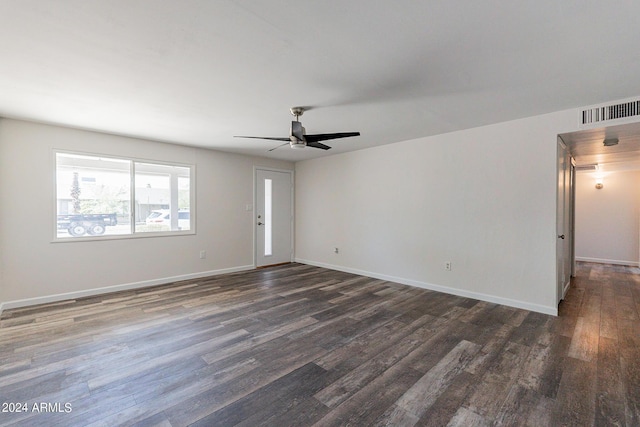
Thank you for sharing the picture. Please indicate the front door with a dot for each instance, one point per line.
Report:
(274, 217)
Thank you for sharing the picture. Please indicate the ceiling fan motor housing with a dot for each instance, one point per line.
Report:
(296, 135)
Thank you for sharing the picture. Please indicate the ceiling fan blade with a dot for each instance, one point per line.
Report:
(264, 137)
(318, 145)
(297, 130)
(327, 136)
(281, 145)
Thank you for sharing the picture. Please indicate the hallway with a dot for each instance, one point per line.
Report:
(600, 318)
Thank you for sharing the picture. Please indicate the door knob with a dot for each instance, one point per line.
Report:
(561, 236)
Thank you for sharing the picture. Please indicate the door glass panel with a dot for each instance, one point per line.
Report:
(267, 217)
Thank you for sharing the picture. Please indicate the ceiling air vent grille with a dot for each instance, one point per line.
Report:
(591, 167)
(621, 110)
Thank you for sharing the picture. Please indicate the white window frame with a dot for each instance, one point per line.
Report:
(132, 198)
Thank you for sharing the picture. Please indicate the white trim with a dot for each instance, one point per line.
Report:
(566, 288)
(6, 305)
(609, 261)
(553, 311)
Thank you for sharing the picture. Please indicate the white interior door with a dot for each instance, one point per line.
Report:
(274, 217)
(563, 221)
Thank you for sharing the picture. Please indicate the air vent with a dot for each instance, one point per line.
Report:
(621, 111)
(591, 167)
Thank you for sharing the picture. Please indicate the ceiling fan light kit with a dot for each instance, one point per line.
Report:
(298, 137)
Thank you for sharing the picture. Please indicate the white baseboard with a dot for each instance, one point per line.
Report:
(553, 311)
(6, 305)
(609, 261)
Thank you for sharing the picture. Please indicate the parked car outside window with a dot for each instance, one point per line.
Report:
(162, 217)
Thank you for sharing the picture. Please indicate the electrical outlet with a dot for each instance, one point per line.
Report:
(336, 250)
(447, 265)
(203, 254)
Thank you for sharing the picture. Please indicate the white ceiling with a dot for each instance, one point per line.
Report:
(198, 72)
(587, 147)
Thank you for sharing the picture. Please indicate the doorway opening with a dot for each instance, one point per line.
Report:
(599, 153)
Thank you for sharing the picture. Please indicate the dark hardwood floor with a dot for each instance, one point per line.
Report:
(300, 345)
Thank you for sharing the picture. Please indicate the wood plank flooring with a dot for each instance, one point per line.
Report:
(304, 346)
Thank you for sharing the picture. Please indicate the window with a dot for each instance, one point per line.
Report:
(163, 198)
(103, 196)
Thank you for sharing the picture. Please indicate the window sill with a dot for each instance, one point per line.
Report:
(123, 236)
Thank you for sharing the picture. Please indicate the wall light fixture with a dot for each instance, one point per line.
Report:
(599, 183)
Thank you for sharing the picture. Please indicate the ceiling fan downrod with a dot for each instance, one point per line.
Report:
(297, 111)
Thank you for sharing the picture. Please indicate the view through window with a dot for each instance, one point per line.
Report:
(96, 196)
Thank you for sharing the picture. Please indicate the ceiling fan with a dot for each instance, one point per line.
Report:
(298, 137)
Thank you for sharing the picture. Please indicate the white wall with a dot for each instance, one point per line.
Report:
(34, 269)
(608, 220)
(483, 199)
